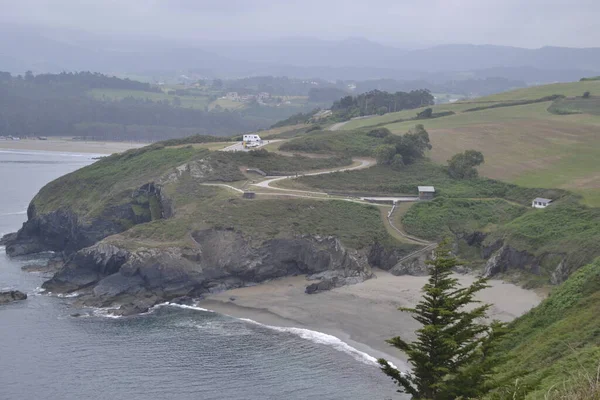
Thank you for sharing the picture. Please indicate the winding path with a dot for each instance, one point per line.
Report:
(428, 245)
(364, 163)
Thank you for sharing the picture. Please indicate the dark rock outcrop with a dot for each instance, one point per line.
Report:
(222, 259)
(386, 258)
(11, 295)
(50, 266)
(414, 266)
(63, 230)
(507, 257)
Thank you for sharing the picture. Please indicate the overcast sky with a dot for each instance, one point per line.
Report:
(523, 23)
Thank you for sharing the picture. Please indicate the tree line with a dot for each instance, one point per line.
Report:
(58, 105)
(378, 102)
(83, 79)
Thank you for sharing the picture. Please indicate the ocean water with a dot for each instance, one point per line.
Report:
(171, 352)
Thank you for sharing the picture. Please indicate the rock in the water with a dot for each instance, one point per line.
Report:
(130, 309)
(11, 295)
(183, 300)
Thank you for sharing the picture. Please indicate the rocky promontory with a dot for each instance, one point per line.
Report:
(135, 280)
(11, 296)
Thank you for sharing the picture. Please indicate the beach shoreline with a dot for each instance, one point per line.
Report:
(363, 316)
(66, 145)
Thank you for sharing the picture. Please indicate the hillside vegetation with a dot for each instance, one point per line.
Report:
(111, 180)
(528, 144)
(59, 105)
(552, 346)
(385, 180)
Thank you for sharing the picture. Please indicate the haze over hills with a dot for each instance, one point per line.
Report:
(54, 50)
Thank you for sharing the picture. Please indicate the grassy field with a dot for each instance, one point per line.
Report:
(202, 207)
(385, 181)
(577, 105)
(275, 133)
(227, 104)
(523, 144)
(535, 92)
(198, 102)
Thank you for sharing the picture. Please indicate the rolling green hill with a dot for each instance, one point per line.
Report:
(522, 143)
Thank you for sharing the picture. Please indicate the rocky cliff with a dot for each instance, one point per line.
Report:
(141, 228)
(109, 275)
(502, 257)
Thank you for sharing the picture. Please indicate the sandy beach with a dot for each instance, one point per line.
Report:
(362, 315)
(69, 145)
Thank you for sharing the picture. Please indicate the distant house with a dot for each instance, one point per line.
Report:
(234, 96)
(426, 192)
(540, 202)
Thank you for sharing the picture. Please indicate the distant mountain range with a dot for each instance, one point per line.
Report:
(23, 48)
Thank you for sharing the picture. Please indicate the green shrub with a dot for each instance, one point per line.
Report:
(550, 345)
(434, 220)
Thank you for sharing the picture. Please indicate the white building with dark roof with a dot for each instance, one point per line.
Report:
(540, 202)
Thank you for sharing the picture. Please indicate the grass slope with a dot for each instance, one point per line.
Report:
(552, 343)
(385, 180)
(111, 180)
(563, 229)
(523, 144)
(354, 143)
(535, 92)
(443, 217)
(261, 219)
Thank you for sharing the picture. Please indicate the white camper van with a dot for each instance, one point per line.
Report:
(251, 141)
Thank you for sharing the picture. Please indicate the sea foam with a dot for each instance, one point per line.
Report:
(13, 213)
(306, 334)
(322, 338)
(183, 306)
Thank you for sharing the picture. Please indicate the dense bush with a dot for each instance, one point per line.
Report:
(379, 133)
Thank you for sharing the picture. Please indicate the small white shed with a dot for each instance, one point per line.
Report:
(540, 202)
(426, 192)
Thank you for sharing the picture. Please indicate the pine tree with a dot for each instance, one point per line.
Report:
(454, 351)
